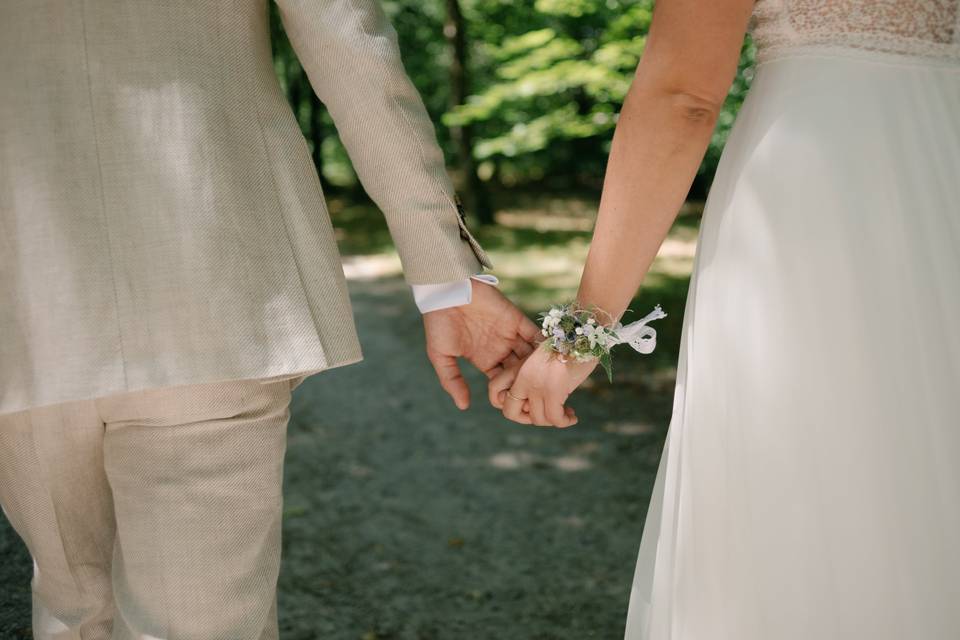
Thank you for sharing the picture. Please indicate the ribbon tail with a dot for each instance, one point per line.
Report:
(645, 341)
(656, 314)
(638, 335)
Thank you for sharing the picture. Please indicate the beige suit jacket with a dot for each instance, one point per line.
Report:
(161, 221)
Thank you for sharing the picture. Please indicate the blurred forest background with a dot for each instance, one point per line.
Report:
(525, 94)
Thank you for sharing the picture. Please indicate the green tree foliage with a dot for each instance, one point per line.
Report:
(548, 78)
(554, 87)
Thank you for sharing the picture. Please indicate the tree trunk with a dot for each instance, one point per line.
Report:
(317, 134)
(474, 192)
(294, 90)
(298, 89)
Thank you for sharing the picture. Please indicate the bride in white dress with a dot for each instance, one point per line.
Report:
(809, 488)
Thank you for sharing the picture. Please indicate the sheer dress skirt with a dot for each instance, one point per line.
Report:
(810, 483)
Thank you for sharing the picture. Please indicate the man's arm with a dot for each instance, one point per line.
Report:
(349, 50)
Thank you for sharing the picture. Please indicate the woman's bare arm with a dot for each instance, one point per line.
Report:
(664, 128)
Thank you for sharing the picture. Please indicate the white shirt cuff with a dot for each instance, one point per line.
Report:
(433, 297)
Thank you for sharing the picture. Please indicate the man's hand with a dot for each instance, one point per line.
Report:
(489, 332)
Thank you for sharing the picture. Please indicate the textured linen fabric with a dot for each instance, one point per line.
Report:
(161, 221)
(155, 514)
(810, 483)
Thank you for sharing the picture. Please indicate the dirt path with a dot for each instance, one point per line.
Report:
(406, 519)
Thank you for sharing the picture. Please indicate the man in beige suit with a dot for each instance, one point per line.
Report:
(168, 273)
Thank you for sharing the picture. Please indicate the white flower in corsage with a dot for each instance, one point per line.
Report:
(575, 333)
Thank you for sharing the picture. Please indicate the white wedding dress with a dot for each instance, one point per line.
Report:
(810, 484)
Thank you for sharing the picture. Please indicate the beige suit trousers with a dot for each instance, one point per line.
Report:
(151, 514)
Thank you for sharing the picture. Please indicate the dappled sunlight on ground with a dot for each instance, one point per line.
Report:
(371, 267)
(510, 460)
(629, 428)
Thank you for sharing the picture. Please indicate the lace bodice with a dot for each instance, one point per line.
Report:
(929, 28)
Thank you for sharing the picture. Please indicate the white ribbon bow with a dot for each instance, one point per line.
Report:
(638, 335)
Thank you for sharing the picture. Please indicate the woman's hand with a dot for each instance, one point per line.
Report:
(534, 392)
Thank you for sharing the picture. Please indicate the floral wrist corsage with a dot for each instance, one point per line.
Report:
(574, 333)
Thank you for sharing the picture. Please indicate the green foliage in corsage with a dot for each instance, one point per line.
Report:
(575, 333)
